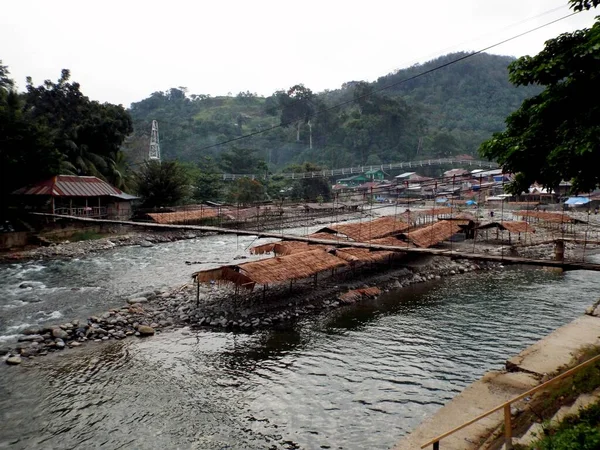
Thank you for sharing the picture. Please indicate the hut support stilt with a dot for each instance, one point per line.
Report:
(197, 293)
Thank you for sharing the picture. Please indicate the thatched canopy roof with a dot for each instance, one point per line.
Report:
(547, 216)
(433, 234)
(332, 236)
(510, 226)
(366, 231)
(274, 270)
(183, 216)
(355, 255)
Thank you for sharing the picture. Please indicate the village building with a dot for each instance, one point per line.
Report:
(81, 196)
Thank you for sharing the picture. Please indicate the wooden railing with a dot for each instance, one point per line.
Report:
(506, 407)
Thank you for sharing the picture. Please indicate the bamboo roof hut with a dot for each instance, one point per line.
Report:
(510, 226)
(366, 231)
(183, 217)
(551, 217)
(362, 255)
(273, 270)
(432, 234)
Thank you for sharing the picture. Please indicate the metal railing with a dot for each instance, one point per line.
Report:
(89, 211)
(362, 169)
(506, 407)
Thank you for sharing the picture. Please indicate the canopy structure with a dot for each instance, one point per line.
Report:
(366, 231)
(577, 201)
(432, 234)
(547, 216)
(183, 216)
(273, 270)
(510, 226)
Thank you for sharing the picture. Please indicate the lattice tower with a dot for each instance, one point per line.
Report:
(154, 152)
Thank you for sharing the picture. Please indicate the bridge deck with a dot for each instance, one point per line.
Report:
(565, 265)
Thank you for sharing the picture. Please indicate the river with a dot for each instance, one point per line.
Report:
(353, 378)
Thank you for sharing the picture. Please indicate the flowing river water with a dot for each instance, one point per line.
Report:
(353, 378)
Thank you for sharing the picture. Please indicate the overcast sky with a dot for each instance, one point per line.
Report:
(122, 51)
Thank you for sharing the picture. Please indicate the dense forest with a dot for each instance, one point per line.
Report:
(447, 112)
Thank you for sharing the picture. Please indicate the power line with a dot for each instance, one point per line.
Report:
(397, 83)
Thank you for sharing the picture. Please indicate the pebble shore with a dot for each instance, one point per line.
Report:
(157, 311)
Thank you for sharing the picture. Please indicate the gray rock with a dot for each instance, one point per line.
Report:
(145, 330)
(59, 343)
(137, 300)
(60, 334)
(33, 330)
(146, 244)
(14, 360)
(31, 338)
(74, 344)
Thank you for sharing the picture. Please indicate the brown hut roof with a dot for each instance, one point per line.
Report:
(291, 267)
(273, 270)
(432, 234)
(546, 216)
(182, 216)
(356, 294)
(361, 254)
(329, 236)
(373, 229)
(513, 226)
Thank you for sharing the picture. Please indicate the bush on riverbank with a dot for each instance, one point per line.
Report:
(576, 432)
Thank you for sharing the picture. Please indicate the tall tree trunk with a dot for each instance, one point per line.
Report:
(298, 132)
(309, 135)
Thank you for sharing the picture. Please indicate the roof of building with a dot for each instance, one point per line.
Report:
(183, 217)
(433, 234)
(577, 201)
(513, 226)
(366, 231)
(405, 175)
(72, 186)
(273, 270)
(374, 171)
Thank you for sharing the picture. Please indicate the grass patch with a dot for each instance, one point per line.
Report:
(576, 432)
(85, 236)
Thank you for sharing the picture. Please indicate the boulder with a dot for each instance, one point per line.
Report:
(33, 330)
(14, 360)
(31, 338)
(59, 334)
(59, 343)
(137, 300)
(145, 330)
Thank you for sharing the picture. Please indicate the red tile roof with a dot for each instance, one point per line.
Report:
(71, 186)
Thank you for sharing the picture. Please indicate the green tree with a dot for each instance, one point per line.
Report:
(88, 134)
(309, 189)
(239, 161)
(246, 191)
(162, 184)
(209, 183)
(555, 135)
(27, 153)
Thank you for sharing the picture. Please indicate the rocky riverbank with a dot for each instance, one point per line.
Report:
(78, 249)
(219, 308)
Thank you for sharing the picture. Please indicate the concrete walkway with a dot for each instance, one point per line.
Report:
(528, 369)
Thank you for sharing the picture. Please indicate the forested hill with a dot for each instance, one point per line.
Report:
(448, 112)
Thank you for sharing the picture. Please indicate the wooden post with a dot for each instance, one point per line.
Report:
(291, 281)
(264, 291)
(559, 250)
(316, 280)
(507, 428)
(436, 445)
(197, 293)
